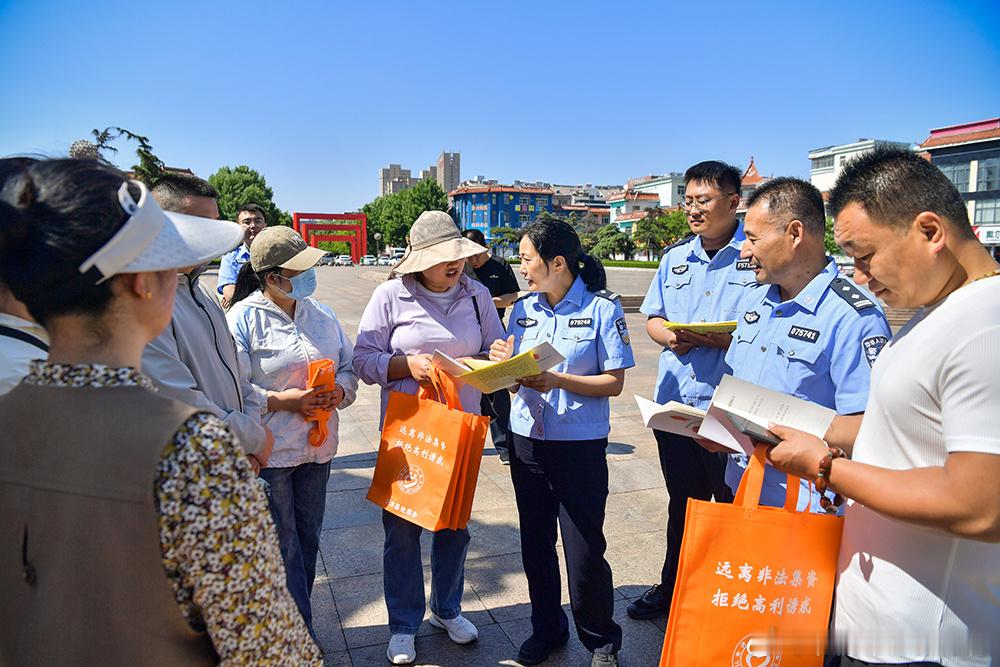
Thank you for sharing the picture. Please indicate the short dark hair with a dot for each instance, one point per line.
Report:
(252, 208)
(794, 198)
(895, 186)
(172, 189)
(475, 236)
(54, 214)
(725, 177)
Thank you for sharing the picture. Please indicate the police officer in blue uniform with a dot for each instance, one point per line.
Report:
(700, 279)
(560, 422)
(807, 331)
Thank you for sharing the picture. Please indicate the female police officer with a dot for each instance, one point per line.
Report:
(560, 424)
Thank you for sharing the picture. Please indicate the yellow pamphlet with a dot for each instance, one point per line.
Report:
(491, 376)
(702, 327)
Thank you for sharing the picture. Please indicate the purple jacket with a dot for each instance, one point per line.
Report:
(398, 320)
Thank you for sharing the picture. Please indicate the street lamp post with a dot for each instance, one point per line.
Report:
(378, 237)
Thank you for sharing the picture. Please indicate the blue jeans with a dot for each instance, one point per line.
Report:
(403, 573)
(297, 502)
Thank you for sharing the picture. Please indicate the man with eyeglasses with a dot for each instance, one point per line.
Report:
(251, 217)
(700, 279)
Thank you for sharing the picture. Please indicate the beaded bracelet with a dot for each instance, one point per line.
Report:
(823, 480)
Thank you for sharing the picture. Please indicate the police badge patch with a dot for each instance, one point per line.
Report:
(622, 329)
(680, 269)
(872, 346)
(744, 265)
(526, 322)
(751, 317)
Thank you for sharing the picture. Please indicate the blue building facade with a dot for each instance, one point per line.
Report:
(488, 206)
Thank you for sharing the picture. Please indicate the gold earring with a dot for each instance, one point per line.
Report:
(149, 295)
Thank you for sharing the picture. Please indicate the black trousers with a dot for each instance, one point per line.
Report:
(565, 481)
(690, 471)
(496, 406)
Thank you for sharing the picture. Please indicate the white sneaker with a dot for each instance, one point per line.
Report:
(401, 650)
(460, 629)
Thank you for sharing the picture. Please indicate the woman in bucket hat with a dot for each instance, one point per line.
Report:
(279, 330)
(133, 531)
(432, 306)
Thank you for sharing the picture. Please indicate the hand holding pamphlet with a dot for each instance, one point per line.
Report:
(740, 411)
(673, 417)
(491, 376)
(702, 327)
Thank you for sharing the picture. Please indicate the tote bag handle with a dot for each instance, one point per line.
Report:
(442, 389)
(748, 493)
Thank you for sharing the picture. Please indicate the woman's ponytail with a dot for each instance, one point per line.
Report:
(592, 272)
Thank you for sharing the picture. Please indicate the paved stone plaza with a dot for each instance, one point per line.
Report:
(349, 611)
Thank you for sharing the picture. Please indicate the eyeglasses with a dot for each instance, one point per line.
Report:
(702, 204)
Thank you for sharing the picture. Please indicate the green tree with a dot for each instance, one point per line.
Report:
(609, 240)
(505, 237)
(392, 215)
(650, 232)
(150, 167)
(675, 225)
(335, 247)
(242, 185)
(831, 245)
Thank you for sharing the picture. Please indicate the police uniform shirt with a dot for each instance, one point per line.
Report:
(691, 287)
(819, 346)
(588, 329)
(499, 279)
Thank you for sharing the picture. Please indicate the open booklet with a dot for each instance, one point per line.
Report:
(702, 327)
(740, 412)
(672, 417)
(490, 376)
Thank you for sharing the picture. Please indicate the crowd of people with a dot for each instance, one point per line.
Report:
(165, 447)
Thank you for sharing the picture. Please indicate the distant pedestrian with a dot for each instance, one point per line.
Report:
(500, 280)
(279, 329)
(133, 531)
(253, 220)
(433, 306)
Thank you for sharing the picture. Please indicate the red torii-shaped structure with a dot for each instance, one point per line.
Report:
(313, 232)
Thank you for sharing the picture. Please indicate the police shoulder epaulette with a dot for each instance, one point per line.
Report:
(850, 293)
(676, 243)
(607, 294)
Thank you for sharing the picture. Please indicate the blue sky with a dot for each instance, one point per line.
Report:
(318, 96)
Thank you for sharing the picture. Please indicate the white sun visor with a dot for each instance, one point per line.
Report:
(156, 240)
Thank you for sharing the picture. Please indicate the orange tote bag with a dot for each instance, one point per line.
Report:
(426, 446)
(754, 584)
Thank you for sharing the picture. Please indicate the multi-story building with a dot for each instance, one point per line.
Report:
(825, 163)
(748, 183)
(448, 171)
(628, 202)
(969, 155)
(669, 188)
(393, 179)
(484, 205)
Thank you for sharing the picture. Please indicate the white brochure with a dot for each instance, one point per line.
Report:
(740, 412)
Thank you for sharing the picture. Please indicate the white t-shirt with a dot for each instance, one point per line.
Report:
(907, 592)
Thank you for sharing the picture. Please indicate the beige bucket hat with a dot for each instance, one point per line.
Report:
(282, 246)
(434, 238)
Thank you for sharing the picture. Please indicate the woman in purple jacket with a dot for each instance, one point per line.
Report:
(433, 306)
